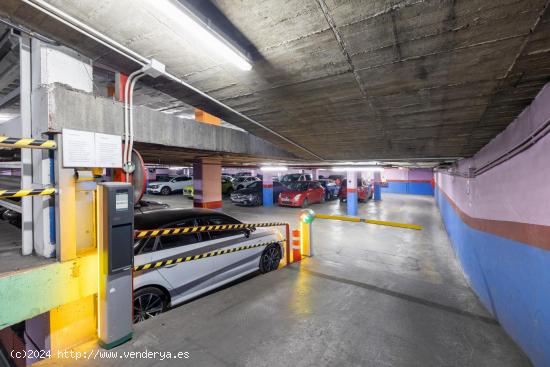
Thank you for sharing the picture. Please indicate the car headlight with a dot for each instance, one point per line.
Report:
(297, 197)
(250, 197)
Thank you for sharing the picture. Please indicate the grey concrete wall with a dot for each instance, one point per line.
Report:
(82, 111)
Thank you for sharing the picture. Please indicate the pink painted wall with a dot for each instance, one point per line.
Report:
(516, 190)
(394, 174)
(408, 174)
(509, 271)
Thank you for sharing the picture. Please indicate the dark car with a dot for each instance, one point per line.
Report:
(148, 205)
(364, 190)
(253, 194)
(332, 189)
(337, 178)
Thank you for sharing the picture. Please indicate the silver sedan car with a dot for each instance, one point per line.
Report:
(157, 289)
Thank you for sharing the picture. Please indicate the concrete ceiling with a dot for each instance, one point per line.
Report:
(348, 80)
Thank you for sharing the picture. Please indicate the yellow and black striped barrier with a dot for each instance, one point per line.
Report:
(369, 221)
(160, 264)
(23, 193)
(7, 142)
(183, 230)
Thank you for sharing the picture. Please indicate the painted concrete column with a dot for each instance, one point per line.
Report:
(351, 194)
(207, 177)
(267, 184)
(315, 174)
(377, 185)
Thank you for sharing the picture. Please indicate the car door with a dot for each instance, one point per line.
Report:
(319, 191)
(185, 278)
(235, 264)
(181, 182)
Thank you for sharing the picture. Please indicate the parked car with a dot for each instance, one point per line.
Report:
(332, 190)
(240, 174)
(155, 290)
(364, 190)
(253, 194)
(227, 185)
(302, 193)
(292, 177)
(148, 205)
(227, 188)
(189, 191)
(244, 181)
(166, 188)
(337, 178)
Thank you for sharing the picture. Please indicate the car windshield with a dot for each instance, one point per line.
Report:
(298, 186)
(291, 177)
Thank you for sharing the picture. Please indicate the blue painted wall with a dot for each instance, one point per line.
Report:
(413, 188)
(512, 280)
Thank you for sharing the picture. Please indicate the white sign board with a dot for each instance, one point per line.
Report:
(86, 149)
(108, 151)
(78, 148)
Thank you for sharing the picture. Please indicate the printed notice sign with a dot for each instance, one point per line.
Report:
(78, 148)
(108, 151)
(87, 149)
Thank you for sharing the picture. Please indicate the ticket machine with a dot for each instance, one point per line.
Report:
(115, 210)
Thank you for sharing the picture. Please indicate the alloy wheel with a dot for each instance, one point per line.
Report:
(146, 306)
(271, 259)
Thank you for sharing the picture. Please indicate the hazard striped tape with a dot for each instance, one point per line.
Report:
(182, 230)
(23, 193)
(7, 142)
(160, 264)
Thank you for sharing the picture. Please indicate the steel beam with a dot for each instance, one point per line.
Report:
(26, 155)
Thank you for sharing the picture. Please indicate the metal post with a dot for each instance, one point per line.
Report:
(306, 219)
(26, 131)
(287, 243)
(65, 207)
(305, 238)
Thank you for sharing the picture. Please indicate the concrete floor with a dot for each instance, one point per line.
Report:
(371, 296)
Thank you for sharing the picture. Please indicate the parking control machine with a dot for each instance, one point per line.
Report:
(115, 208)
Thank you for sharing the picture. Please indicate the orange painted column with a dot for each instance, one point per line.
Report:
(207, 183)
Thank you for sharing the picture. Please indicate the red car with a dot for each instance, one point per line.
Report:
(364, 190)
(302, 193)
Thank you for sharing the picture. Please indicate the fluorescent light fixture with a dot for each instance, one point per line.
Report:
(273, 168)
(358, 169)
(194, 27)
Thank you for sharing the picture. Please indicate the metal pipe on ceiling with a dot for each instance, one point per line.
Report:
(81, 27)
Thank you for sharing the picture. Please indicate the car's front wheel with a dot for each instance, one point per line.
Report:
(148, 302)
(270, 259)
(165, 191)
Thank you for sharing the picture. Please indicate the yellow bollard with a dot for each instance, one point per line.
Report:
(305, 237)
(306, 218)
